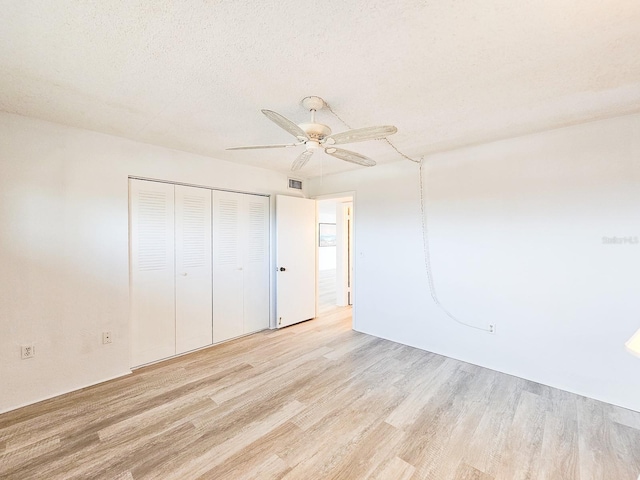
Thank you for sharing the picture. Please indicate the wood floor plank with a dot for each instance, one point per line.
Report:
(318, 400)
(524, 439)
(203, 456)
(502, 401)
(560, 449)
(272, 468)
(599, 456)
(371, 451)
(111, 455)
(623, 416)
(337, 435)
(466, 472)
(427, 433)
(459, 424)
(16, 459)
(256, 457)
(626, 443)
(427, 385)
(395, 468)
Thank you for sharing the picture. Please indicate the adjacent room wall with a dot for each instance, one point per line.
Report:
(517, 233)
(64, 248)
(327, 214)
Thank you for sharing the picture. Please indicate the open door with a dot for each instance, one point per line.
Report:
(344, 256)
(295, 260)
(335, 255)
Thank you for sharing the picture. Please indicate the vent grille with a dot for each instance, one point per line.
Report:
(295, 184)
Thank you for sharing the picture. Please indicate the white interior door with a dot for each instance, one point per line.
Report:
(152, 271)
(193, 268)
(295, 259)
(256, 263)
(228, 285)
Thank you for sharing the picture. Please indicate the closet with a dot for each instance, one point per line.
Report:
(199, 267)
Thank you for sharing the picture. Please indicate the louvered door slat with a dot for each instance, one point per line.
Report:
(256, 263)
(227, 267)
(152, 271)
(193, 268)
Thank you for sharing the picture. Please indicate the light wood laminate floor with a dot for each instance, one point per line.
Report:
(326, 291)
(319, 401)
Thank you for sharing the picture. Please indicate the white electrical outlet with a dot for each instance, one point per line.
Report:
(491, 328)
(106, 337)
(27, 351)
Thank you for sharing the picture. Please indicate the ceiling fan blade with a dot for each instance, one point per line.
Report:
(348, 156)
(360, 135)
(252, 147)
(302, 160)
(286, 124)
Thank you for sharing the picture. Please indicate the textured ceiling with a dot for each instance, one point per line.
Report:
(193, 75)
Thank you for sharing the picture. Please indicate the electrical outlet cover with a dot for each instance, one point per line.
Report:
(28, 351)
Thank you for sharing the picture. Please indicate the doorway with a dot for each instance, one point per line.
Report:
(335, 253)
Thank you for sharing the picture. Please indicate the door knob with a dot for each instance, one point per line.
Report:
(282, 269)
(184, 274)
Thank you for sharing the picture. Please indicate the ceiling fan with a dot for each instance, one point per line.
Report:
(316, 136)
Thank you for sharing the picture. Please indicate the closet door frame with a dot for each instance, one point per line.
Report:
(269, 278)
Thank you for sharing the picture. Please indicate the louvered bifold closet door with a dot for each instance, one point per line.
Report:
(152, 271)
(193, 268)
(227, 266)
(256, 263)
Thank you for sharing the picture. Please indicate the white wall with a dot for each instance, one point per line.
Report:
(516, 231)
(64, 248)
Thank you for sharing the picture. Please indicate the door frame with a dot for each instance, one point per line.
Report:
(333, 196)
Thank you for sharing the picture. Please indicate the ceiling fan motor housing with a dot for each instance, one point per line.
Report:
(315, 131)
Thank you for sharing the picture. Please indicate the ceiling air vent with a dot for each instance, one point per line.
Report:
(295, 184)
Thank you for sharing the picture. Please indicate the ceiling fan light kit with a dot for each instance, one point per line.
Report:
(316, 136)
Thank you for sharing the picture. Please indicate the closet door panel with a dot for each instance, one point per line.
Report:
(256, 263)
(152, 271)
(193, 279)
(227, 266)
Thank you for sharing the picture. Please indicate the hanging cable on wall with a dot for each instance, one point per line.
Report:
(427, 257)
(425, 233)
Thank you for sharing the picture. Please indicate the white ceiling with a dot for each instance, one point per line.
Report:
(193, 75)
